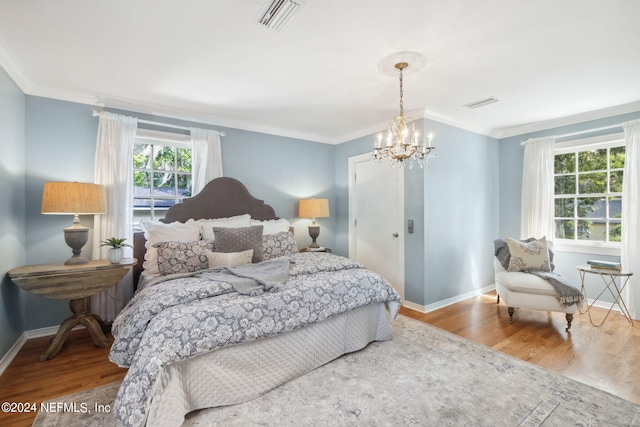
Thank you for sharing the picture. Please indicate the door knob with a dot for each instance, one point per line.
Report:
(395, 234)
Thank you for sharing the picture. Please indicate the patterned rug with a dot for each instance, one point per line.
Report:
(425, 376)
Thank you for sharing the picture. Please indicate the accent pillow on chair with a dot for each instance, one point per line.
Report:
(532, 255)
(517, 282)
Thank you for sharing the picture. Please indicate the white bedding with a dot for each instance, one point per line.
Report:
(231, 375)
(178, 319)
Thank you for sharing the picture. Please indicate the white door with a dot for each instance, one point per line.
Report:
(376, 218)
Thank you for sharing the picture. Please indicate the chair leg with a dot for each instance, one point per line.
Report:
(569, 317)
(498, 301)
(511, 310)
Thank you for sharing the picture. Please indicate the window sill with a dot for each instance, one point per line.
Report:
(587, 248)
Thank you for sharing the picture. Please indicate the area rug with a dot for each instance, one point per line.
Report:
(424, 377)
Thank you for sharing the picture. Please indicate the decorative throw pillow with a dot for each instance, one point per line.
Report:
(502, 252)
(528, 256)
(206, 225)
(183, 257)
(155, 232)
(280, 244)
(272, 226)
(240, 239)
(231, 259)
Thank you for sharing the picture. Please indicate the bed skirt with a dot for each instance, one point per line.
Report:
(243, 372)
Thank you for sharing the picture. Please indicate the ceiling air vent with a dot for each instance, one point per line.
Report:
(481, 103)
(276, 14)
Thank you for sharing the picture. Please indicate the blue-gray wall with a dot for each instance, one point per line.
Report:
(454, 204)
(276, 169)
(511, 159)
(61, 141)
(460, 202)
(60, 146)
(12, 208)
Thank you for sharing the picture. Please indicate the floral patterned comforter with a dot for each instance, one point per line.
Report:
(182, 317)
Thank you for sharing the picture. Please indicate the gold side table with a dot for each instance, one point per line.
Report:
(75, 283)
(609, 279)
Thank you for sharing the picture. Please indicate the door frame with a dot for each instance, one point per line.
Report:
(353, 160)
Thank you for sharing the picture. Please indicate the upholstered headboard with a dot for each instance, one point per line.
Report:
(220, 198)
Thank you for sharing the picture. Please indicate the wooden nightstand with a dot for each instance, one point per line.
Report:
(75, 283)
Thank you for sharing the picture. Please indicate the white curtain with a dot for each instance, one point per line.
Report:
(114, 170)
(536, 202)
(630, 250)
(207, 158)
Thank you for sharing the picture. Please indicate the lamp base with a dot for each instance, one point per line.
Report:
(76, 237)
(314, 232)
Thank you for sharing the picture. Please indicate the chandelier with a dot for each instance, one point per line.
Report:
(402, 141)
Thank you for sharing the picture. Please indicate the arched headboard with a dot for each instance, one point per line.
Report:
(222, 197)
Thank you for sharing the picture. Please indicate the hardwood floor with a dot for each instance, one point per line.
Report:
(80, 365)
(607, 357)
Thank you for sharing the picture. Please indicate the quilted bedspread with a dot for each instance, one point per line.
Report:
(182, 317)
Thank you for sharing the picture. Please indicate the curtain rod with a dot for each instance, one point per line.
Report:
(167, 125)
(580, 132)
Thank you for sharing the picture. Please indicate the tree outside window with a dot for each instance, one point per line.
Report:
(161, 178)
(588, 194)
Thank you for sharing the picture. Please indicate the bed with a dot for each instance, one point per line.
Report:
(216, 335)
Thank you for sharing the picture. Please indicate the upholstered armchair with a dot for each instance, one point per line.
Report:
(520, 289)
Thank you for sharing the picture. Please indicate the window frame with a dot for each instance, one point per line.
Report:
(167, 139)
(574, 146)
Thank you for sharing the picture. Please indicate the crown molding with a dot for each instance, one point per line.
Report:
(419, 113)
(430, 115)
(198, 117)
(617, 110)
(12, 67)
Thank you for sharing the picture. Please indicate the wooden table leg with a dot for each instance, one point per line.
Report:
(91, 321)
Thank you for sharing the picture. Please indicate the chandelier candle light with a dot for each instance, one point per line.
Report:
(403, 141)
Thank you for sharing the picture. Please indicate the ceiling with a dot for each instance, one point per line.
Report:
(548, 62)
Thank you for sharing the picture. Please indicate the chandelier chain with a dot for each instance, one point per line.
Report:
(401, 93)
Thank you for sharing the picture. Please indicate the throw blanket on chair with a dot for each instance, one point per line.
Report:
(568, 293)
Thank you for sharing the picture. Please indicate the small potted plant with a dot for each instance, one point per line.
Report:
(115, 251)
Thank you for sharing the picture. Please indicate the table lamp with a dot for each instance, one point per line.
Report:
(75, 198)
(314, 208)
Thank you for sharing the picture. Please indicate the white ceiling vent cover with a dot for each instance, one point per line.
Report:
(482, 103)
(276, 14)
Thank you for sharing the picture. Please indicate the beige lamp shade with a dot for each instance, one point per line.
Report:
(314, 208)
(76, 198)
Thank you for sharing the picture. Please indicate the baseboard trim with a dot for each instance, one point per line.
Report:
(51, 330)
(27, 335)
(446, 302)
(12, 353)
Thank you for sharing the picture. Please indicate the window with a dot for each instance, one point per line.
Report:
(588, 191)
(161, 173)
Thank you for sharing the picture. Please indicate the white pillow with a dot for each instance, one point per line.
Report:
(206, 225)
(272, 226)
(156, 232)
(528, 256)
(229, 259)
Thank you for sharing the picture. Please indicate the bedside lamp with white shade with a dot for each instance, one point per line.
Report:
(314, 208)
(74, 198)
